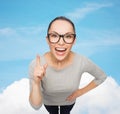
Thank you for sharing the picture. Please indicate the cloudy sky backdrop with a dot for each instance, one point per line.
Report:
(23, 26)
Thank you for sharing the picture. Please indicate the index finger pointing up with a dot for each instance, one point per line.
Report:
(37, 60)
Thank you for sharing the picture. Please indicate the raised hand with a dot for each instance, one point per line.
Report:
(39, 71)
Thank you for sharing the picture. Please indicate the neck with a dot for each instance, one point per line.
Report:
(60, 64)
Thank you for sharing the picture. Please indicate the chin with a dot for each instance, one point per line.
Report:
(61, 57)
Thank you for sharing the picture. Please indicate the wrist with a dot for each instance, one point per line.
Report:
(80, 92)
(35, 84)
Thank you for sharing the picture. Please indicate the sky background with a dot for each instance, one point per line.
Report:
(23, 26)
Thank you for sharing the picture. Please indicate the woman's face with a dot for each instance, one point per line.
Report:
(60, 50)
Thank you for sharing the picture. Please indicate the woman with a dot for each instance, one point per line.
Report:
(55, 76)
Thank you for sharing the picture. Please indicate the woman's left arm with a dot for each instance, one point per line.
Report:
(82, 91)
(96, 72)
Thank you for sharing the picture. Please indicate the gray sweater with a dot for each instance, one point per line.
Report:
(57, 85)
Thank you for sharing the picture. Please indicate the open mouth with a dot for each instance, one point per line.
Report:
(60, 49)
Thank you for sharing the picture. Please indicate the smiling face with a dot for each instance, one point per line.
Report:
(60, 50)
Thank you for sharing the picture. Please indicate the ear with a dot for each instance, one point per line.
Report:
(74, 41)
(47, 40)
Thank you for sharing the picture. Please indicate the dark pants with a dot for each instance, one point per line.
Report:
(55, 109)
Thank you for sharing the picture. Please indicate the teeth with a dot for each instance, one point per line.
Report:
(61, 49)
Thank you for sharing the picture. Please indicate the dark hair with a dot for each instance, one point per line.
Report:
(61, 18)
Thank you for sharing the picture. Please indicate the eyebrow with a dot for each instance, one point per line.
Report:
(61, 34)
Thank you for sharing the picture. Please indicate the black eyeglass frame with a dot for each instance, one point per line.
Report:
(61, 36)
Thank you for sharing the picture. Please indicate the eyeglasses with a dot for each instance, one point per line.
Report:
(67, 38)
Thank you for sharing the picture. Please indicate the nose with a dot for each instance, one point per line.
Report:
(61, 41)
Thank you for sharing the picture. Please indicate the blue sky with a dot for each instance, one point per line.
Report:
(23, 26)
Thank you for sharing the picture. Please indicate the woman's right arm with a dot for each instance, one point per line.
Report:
(37, 73)
(35, 97)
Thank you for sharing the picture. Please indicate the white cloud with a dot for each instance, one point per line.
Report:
(33, 30)
(7, 31)
(14, 99)
(81, 13)
(104, 99)
(25, 40)
(90, 41)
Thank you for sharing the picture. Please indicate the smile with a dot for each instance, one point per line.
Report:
(60, 49)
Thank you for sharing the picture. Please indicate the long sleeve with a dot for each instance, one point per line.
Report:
(95, 71)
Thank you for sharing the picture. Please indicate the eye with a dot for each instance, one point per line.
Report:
(68, 36)
(53, 35)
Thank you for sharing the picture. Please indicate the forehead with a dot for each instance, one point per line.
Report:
(61, 26)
